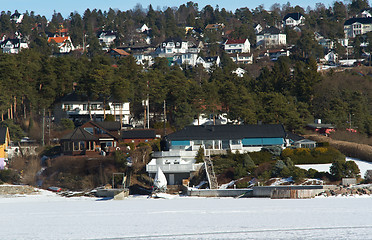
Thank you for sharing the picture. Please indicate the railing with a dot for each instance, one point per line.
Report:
(174, 153)
(174, 168)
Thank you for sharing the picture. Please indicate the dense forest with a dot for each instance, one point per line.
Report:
(289, 91)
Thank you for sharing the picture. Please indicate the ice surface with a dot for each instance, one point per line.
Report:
(49, 216)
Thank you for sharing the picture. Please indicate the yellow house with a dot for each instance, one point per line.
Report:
(4, 143)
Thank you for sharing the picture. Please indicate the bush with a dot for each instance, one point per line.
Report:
(319, 155)
(9, 176)
(260, 157)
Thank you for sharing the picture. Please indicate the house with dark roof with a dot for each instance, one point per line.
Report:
(298, 141)
(208, 62)
(16, 17)
(357, 26)
(14, 45)
(178, 160)
(92, 138)
(80, 109)
(319, 127)
(4, 143)
(271, 37)
(138, 136)
(293, 19)
(106, 38)
(237, 46)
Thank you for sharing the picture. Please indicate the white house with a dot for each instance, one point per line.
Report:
(240, 72)
(243, 58)
(208, 62)
(357, 26)
(76, 107)
(271, 37)
(17, 17)
(178, 162)
(331, 57)
(13, 45)
(293, 19)
(258, 28)
(106, 38)
(237, 46)
(178, 52)
(144, 28)
(63, 43)
(172, 46)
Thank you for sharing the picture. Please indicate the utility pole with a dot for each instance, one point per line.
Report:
(148, 112)
(165, 120)
(43, 130)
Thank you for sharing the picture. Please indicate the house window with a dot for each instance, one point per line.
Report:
(89, 130)
(68, 107)
(225, 144)
(198, 142)
(94, 106)
(76, 146)
(236, 142)
(208, 144)
(82, 145)
(85, 107)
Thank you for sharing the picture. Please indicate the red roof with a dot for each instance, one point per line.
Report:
(120, 52)
(57, 39)
(236, 41)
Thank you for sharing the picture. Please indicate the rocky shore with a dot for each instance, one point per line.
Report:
(17, 190)
(348, 191)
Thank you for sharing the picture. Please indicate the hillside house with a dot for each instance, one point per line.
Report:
(237, 46)
(118, 53)
(106, 38)
(178, 52)
(320, 127)
(13, 46)
(138, 136)
(208, 62)
(271, 37)
(64, 44)
(92, 138)
(357, 26)
(4, 143)
(16, 17)
(293, 19)
(178, 161)
(81, 109)
(241, 58)
(298, 141)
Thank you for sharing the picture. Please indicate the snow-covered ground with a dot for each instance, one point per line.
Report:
(48, 216)
(363, 166)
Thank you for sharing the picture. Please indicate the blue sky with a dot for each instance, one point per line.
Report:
(65, 7)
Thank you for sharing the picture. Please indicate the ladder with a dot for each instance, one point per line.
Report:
(212, 180)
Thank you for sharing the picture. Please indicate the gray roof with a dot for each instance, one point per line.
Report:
(109, 125)
(359, 20)
(79, 134)
(320, 125)
(222, 132)
(138, 134)
(271, 30)
(294, 16)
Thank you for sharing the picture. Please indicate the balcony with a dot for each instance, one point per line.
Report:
(174, 153)
(173, 168)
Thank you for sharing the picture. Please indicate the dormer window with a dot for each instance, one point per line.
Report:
(178, 44)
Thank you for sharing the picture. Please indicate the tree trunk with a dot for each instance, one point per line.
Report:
(15, 107)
